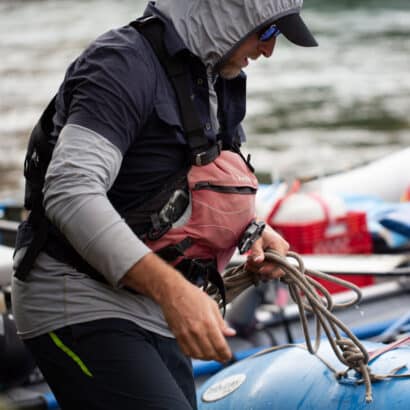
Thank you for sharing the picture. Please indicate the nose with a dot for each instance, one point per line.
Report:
(266, 47)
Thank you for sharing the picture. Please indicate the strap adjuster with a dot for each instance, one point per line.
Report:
(197, 271)
(200, 159)
(209, 155)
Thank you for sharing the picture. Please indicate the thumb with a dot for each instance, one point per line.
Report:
(257, 253)
(227, 330)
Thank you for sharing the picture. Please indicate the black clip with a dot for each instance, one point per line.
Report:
(169, 214)
(252, 233)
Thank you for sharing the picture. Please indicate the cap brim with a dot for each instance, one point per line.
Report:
(295, 30)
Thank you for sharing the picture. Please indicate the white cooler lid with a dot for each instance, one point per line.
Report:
(6, 265)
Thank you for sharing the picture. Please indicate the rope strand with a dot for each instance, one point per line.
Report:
(310, 296)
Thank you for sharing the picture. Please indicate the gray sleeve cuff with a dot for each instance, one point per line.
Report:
(82, 170)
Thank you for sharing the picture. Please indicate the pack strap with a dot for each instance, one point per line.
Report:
(207, 156)
(43, 127)
(36, 246)
(172, 252)
(202, 272)
(202, 152)
(38, 154)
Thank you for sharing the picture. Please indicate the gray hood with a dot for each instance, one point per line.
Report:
(213, 28)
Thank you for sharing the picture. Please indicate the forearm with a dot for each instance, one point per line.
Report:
(77, 180)
(192, 315)
(155, 278)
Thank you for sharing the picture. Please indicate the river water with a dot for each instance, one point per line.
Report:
(310, 111)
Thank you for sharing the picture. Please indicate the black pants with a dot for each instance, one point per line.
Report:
(114, 364)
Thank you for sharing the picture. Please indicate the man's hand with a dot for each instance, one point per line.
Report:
(192, 316)
(270, 239)
(196, 322)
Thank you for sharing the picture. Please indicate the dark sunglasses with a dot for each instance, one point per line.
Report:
(269, 33)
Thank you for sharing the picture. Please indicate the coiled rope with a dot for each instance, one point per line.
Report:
(310, 296)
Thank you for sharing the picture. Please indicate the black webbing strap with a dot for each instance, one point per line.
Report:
(172, 252)
(202, 152)
(197, 271)
(46, 127)
(46, 119)
(201, 272)
(35, 165)
(215, 278)
(36, 246)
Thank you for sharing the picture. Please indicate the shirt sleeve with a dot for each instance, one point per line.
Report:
(83, 168)
(111, 88)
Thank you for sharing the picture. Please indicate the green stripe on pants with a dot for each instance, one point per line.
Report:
(58, 342)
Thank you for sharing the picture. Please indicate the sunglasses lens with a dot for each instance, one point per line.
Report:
(272, 31)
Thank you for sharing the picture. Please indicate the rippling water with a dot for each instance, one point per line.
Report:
(310, 111)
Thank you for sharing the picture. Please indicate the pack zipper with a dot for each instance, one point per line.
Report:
(243, 190)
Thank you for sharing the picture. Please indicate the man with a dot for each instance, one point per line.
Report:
(111, 323)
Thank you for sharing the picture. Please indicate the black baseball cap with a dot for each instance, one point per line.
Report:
(295, 30)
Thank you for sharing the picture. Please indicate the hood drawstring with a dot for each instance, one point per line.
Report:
(213, 101)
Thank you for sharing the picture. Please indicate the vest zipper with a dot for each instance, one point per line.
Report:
(244, 190)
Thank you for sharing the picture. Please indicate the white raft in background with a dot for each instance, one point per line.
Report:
(387, 178)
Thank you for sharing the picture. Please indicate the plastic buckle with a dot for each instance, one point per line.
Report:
(198, 272)
(155, 234)
(198, 158)
(205, 157)
(252, 233)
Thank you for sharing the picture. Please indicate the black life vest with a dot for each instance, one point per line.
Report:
(202, 154)
(40, 148)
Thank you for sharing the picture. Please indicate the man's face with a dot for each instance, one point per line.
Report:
(252, 48)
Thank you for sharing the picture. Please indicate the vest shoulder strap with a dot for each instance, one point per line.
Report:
(178, 73)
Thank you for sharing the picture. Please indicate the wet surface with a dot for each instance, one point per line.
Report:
(310, 111)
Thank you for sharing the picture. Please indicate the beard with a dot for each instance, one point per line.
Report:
(229, 71)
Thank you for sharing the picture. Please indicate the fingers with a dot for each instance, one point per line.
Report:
(265, 270)
(272, 240)
(257, 254)
(192, 316)
(205, 343)
(255, 263)
(270, 272)
(199, 327)
(217, 337)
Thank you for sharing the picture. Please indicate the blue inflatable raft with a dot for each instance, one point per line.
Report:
(291, 378)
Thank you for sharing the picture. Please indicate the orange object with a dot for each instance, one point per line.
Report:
(406, 196)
